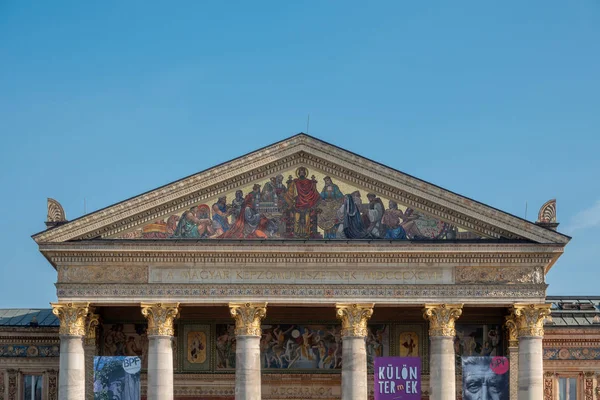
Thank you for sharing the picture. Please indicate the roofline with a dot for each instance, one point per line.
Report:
(573, 298)
(326, 143)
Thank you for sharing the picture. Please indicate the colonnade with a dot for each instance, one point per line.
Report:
(524, 323)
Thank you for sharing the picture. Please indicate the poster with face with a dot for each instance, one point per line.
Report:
(117, 378)
(485, 378)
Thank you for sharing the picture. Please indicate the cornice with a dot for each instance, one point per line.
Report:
(208, 252)
(302, 149)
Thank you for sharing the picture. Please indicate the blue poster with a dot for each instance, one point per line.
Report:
(117, 378)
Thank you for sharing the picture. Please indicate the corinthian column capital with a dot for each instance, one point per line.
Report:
(354, 318)
(529, 318)
(442, 318)
(160, 318)
(72, 317)
(248, 317)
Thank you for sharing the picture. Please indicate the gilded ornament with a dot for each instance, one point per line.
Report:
(354, 318)
(530, 318)
(442, 318)
(511, 328)
(160, 318)
(93, 321)
(72, 317)
(248, 317)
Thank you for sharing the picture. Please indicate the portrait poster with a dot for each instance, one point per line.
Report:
(397, 378)
(117, 378)
(485, 378)
(196, 352)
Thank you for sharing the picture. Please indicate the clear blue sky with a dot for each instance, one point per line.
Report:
(498, 101)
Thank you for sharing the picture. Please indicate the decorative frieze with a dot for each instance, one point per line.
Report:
(52, 384)
(102, 274)
(354, 318)
(160, 318)
(499, 275)
(572, 353)
(29, 350)
(588, 386)
(248, 317)
(529, 318)
(442, 318)
(72, 317)
(391, 294)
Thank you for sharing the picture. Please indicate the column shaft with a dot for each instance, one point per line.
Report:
(354, 368)
(513, 357)
(247, 368)
(160, 368)
(71, 376)
(531, 369)
(442, 370)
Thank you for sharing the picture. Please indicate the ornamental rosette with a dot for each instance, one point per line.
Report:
(248, 317)
(354, 318)
(160, 318)
(530, 318)
(72, 317)
(442, 318)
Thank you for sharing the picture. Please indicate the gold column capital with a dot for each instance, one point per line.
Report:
(510, 324)
(442, 318)
(93, 320)
(72, 317)
(529, 318)
(160, 318)
(354, 317)
(248, 317)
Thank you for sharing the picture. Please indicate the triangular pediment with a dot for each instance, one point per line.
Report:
(268, 196)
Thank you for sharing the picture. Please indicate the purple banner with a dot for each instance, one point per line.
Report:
(397, 378)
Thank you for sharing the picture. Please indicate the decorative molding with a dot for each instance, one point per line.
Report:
(588, 386)
(52, 384)
(510, 324)
(93, 320)
(385, 294)
(301, 149)
(548, 386)
(530, 318)
(2, 386)
(102, 274)
(570, 353)
(354, 318)
(160, 318)
(30, 351)
(498, 275)
(72, 317)
(12, 384)
(442, 318)
(248, 317)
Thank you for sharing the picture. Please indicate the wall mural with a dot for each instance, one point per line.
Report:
(125, 340)
(301, 347)
(477, 340)
(305, 205)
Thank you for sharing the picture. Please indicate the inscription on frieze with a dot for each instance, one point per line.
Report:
(424, 276)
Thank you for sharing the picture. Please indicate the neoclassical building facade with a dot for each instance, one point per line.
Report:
(282, 274)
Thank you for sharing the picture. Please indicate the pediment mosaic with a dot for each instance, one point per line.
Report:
(299, 203)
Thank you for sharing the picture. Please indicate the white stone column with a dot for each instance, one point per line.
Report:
(71, 378)
(90, 348)
(248, 317)
(442, 370)
(354, 319)
(160, 350)
(529, 320)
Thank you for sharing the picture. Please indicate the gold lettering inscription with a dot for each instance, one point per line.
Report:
(207, 275)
